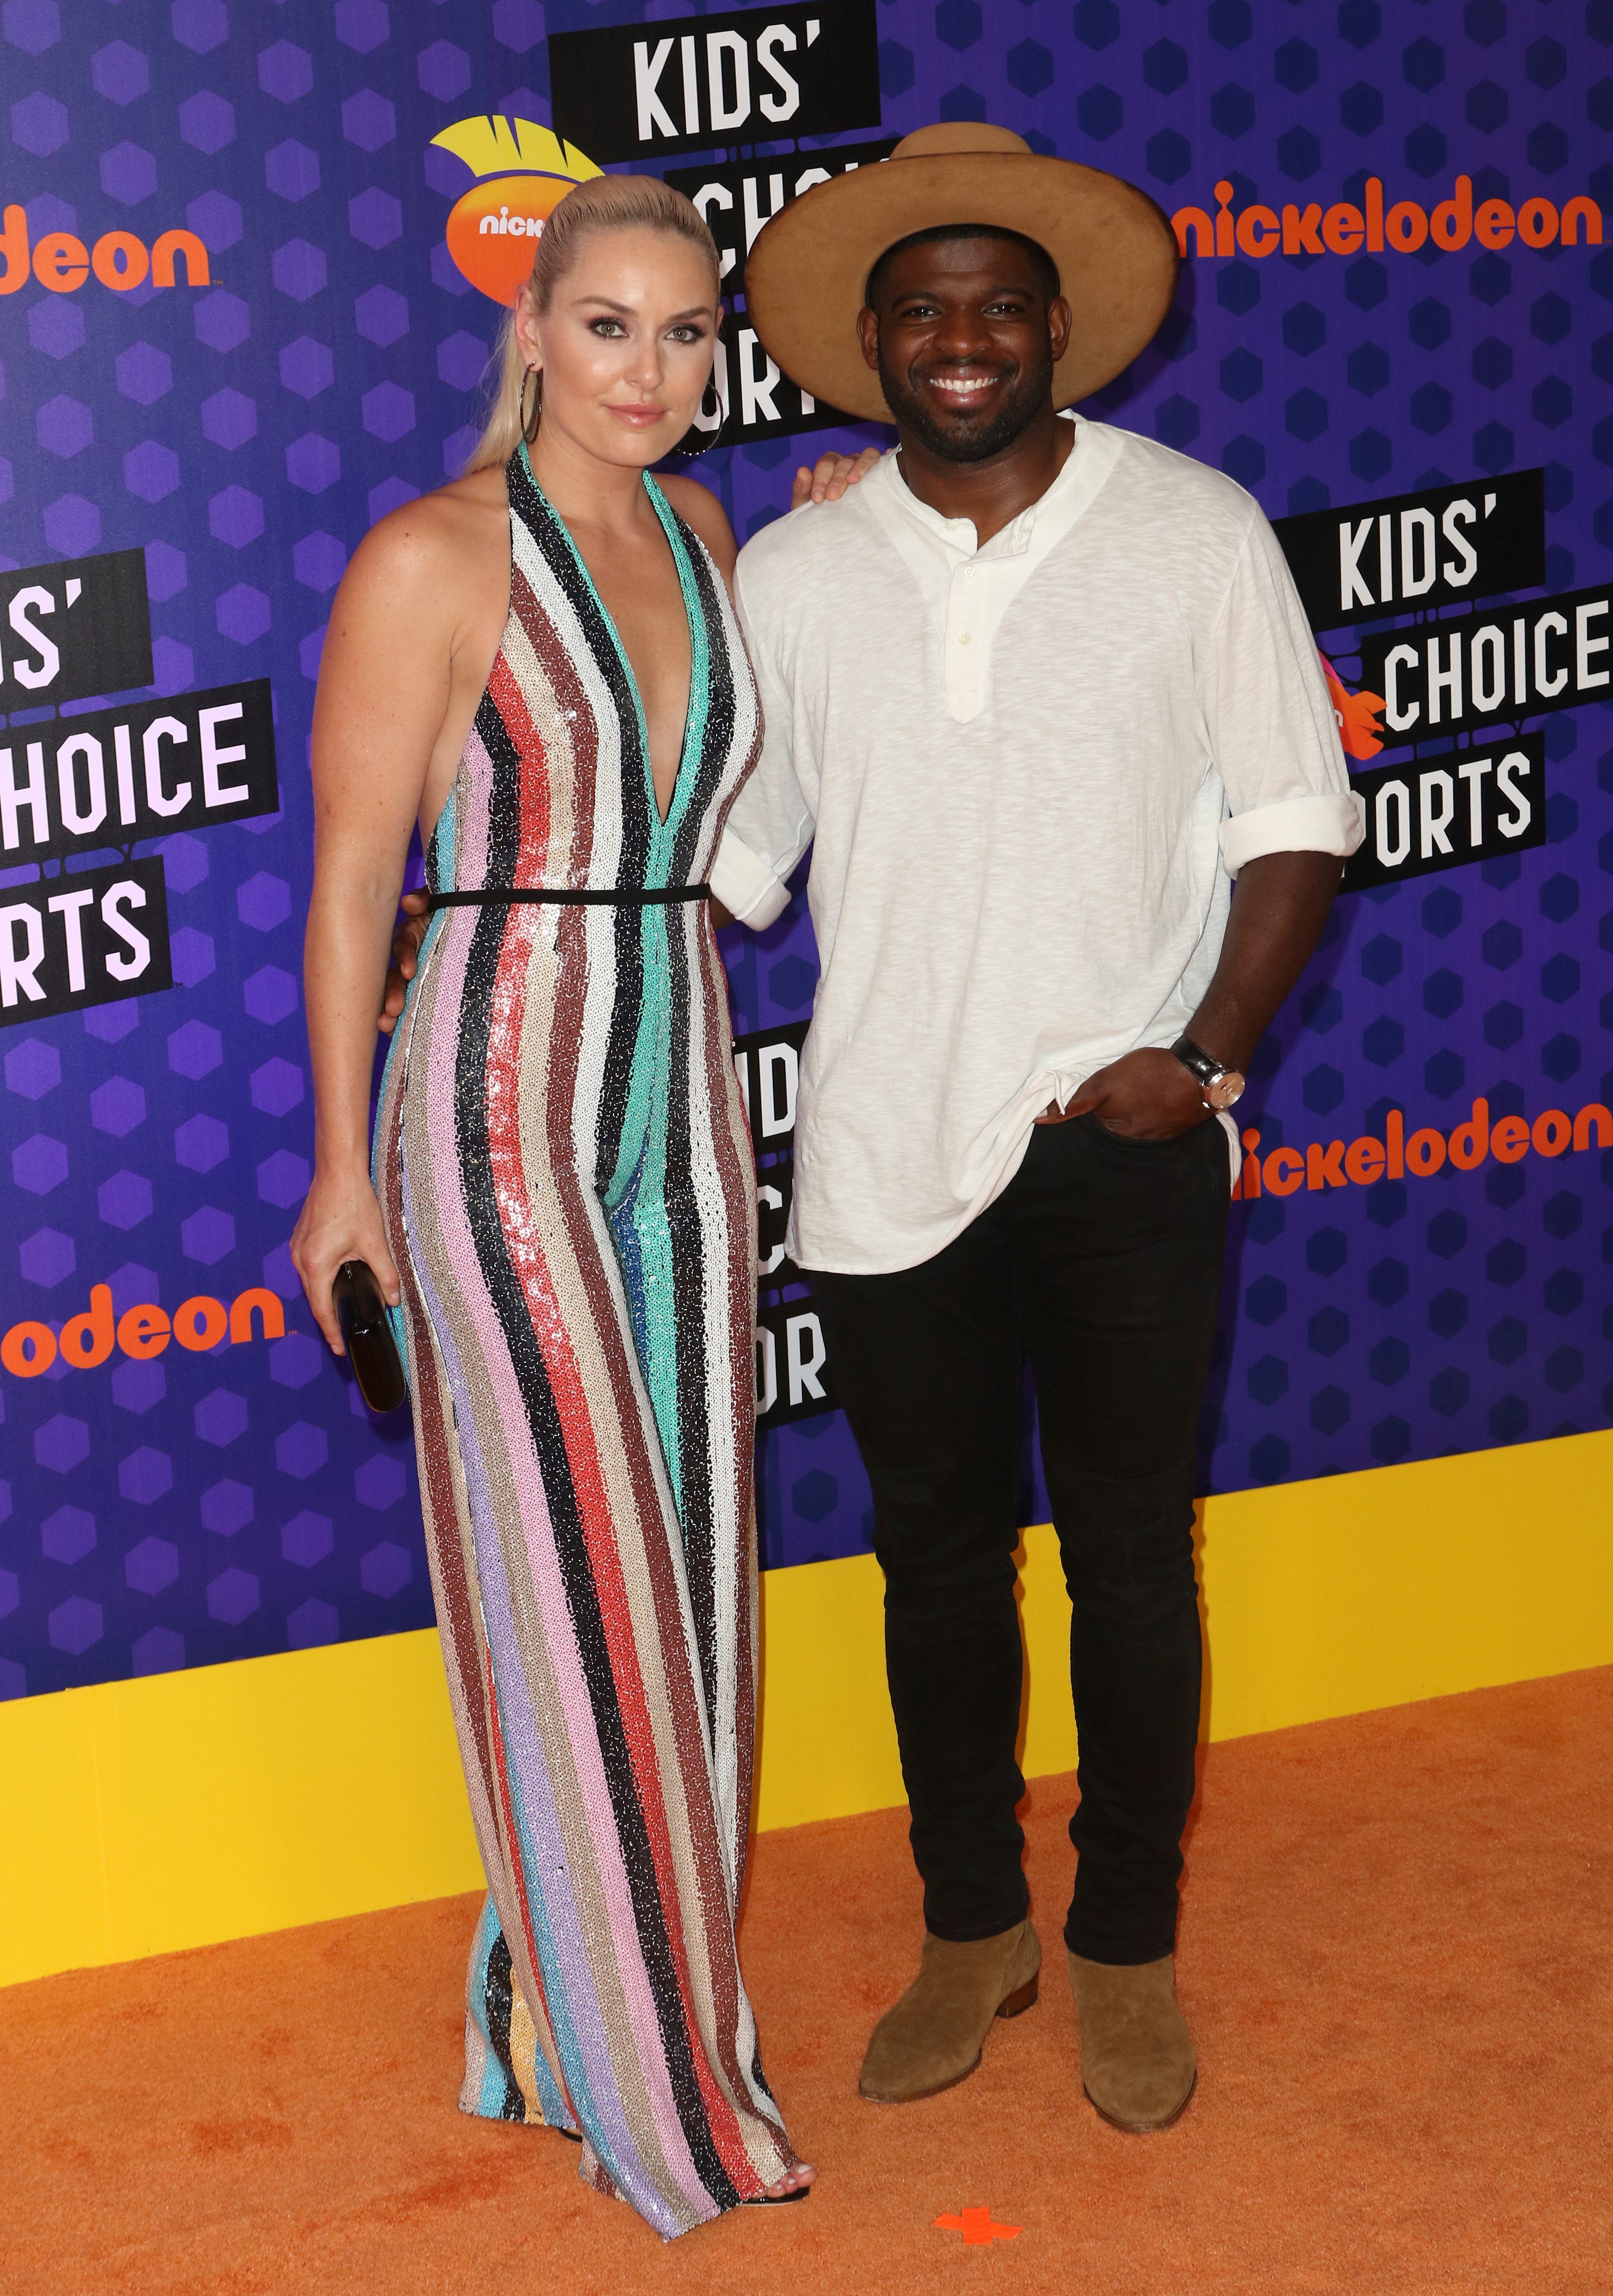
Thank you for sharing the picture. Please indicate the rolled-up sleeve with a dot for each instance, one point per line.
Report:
(1270, 719)
(747, 888)
(770, 823)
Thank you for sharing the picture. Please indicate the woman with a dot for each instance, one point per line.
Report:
(540, 662)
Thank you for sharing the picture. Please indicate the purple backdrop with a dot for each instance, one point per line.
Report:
(205, 1505)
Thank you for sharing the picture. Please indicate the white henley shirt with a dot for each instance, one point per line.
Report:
(1030, 770)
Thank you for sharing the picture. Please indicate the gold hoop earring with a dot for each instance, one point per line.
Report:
(529, 424)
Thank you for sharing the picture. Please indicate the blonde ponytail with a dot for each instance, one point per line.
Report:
(603, 203)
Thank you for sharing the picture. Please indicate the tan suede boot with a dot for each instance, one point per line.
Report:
(932, 2037)
(1137, 2064)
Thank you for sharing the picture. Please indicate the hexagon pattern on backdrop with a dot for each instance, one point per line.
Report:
(181, 1511)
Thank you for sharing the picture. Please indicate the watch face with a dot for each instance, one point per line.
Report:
(1227, 1088)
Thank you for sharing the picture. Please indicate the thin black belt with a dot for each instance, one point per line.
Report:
(630, 896)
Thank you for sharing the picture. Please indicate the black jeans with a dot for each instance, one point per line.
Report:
(1100, 1263)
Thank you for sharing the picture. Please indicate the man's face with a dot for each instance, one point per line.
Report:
(964, 340)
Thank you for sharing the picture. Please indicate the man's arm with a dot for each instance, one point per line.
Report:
(1278, 908)
(1292, 822)
(1280, 905)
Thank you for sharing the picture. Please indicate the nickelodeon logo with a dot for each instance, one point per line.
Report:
(121, 262)
(1361, 1163)
(1403, 229)
(525, 172)
(28, 1350)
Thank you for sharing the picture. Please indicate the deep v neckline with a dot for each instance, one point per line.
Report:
(663, 822)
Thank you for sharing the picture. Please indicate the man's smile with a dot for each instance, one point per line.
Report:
(963, 387)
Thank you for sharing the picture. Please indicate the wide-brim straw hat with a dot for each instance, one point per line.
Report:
(805, 277)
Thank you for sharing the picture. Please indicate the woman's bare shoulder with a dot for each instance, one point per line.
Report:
(438, 543)
(699, 507)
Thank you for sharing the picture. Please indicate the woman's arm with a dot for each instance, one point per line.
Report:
(384, 681)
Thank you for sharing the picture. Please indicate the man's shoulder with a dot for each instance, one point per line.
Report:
(1153, 478)
(819, 539)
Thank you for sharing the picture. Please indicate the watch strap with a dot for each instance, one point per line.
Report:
(1199, 1064)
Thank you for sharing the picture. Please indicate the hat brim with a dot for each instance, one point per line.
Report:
(805, 275)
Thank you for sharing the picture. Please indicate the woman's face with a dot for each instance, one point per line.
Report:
(626, 344)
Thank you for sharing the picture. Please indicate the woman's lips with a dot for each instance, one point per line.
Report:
(640, 417)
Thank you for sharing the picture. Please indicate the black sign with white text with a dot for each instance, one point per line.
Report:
(738, 197)
(79, 627)
(1437, 813)
(774, 1193)
(748, 398)
(1432, 548)
(1516, 661)
(112, 776)
(90, 938)
(792, 1374)
(712, 83)
(768, 1064)
(792, 1368)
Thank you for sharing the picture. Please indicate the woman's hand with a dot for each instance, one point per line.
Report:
(830, 476)
(341, 1220)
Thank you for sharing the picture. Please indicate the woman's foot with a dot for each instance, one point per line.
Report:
(795, 2185)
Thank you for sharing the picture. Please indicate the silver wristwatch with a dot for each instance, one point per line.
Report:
(1219, 1085)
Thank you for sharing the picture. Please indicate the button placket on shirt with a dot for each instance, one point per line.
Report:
(975, 610)
(966, 662)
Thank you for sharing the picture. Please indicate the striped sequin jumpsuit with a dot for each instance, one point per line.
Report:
(565, 1175)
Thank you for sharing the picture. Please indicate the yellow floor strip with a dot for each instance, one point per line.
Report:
(143, 1817)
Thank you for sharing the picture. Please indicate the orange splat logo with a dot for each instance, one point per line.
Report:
(977, 2227)
(1356, 714)
(525, 171)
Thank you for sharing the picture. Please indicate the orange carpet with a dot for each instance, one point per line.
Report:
(1395, 1953)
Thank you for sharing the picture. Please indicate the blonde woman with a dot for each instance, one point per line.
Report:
(542, 664)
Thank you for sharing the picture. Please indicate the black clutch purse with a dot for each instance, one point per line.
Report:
(367, 1333)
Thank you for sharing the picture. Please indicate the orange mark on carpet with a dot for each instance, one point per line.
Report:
(977, 2228)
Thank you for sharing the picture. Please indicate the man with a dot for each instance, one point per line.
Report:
(1036, 690)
